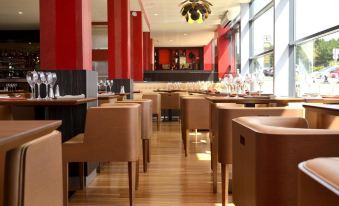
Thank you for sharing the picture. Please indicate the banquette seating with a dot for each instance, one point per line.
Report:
(156, 105)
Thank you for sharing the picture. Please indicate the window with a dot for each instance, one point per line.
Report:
(262, 41)
(317, 66)
(263, 32)
(315, 16)
(257, 5)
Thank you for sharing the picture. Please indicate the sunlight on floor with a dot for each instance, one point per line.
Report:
(219, 204)
(203, 156)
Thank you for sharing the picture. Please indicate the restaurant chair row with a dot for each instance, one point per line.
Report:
(198, 113)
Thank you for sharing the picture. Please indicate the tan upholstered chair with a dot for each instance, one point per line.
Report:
(5, 113)
(318, 182)
(170, 101)
(266, 154)
(156, 105)
(213, 137)
(195, 114)
(112, 134)
(146, 127)
(223, 138)
(34, 173)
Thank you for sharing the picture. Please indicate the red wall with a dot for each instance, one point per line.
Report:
(164, 56)
(208, 57)
(100, 55)
(147, 51)
(224, 48)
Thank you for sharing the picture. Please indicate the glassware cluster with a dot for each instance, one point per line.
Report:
(105, 86)
(36, 79)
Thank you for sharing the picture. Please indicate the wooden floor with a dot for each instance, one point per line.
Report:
(172, 179)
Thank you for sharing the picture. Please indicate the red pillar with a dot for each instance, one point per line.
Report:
(208, 57)
(151, 54)
(66, 34)
(136, 53)
(119, 41)
(225, 63)
(147, 51)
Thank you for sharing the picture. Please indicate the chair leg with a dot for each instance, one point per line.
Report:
(214, 152)
(82, 175)
(131, 182)
(137, 175)
(186, 141)
(225, 179)
(148, 150)
(144, 154)
(158, 120)
(65, 182)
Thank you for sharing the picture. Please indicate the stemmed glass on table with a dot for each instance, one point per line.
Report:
(333, 80)
(260, 80)
(32, 78)
(51, 80)
(110, 85)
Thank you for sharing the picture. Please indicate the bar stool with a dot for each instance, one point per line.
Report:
(34, 173)
(156, 105)
(112, 134)
(195, 114)
(223, 139)
(266, 154)
(318, 182)
(146, 127)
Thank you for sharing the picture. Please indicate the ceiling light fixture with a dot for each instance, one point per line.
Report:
(156, 14)
(20, 12)
(195, 10)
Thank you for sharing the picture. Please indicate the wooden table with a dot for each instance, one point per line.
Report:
(107, 98)
(252, 101)
(72, 112)
(16, 133)
(322, 116)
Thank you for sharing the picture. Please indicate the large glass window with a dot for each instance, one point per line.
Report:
(263, 32)
(314, 16)
(257, 5)
(317, 66)
(262, 36)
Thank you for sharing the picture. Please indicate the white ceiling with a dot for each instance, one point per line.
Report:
(167, 28)
(10, 18)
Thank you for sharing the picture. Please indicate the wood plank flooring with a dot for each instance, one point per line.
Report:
(172, 179)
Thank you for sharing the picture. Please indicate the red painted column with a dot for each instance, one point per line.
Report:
(146, 51)
(151, 54)
(136, 51)
(66, 34)
(119, 39)
(225, 63)
(208, 57)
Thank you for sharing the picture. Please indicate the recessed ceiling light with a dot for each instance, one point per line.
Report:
(156, 14)
(185, 34)
(171, 40)
(20, 12)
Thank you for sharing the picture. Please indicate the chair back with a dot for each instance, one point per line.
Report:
(170, 100)
(113, 132)
(195, 112)
(156, 102)
(34, 173)
(266, 154)
(227, 114)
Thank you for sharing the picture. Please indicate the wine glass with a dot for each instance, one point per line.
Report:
(51, 80)
(43, 78)
(333, 80)
(39, 82)
(48, 80)
(260, 81)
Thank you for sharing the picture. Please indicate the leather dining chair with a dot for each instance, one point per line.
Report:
(156, 105)
(146, 127)
(112, 134)
(195, 114)
(223, 139)
(170, 101)
(34, 173)
(266, 154)
(318, 182)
